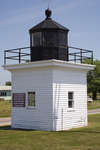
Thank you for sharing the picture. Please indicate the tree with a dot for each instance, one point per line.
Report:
(8, 83)
(93, 80)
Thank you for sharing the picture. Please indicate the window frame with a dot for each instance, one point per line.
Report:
(71, 100)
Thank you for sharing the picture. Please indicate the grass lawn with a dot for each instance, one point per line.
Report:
(5, 109)
(94, 105)
(87, 138)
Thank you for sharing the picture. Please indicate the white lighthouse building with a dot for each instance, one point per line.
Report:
(50, 91)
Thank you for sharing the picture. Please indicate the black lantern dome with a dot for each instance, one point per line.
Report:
(48, 40)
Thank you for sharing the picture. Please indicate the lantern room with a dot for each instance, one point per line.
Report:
(48, 40)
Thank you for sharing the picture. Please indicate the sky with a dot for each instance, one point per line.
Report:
(81, 17)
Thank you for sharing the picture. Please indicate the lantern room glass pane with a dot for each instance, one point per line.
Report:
(62, 39)
(37, 39)
(50, 38)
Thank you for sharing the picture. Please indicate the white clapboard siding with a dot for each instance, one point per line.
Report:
(51, 87)
(39, 81)
(63, 82)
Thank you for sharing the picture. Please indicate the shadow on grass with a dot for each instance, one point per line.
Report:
(16, 129)
(5, 128)
(46, 132)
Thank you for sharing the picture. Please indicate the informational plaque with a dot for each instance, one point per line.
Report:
(18, 99)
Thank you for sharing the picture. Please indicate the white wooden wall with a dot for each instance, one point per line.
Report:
(40, 81)
(63, 82)
(51, 87)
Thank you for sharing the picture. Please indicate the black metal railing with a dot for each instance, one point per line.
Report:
(76, 55)
(19, 55)
(80, 55)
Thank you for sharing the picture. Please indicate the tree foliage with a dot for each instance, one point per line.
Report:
(8, 83)
(93, 80)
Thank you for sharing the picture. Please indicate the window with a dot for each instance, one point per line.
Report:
(31, 99)
(70, 99)
(8, 93)
(3, 93)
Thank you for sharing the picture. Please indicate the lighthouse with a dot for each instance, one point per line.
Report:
(49, 92)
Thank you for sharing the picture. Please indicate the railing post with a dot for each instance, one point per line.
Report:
(81, 55)
(92, 58)
(67, 53)
(19, 56)
(75, 58)
(4, 57)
